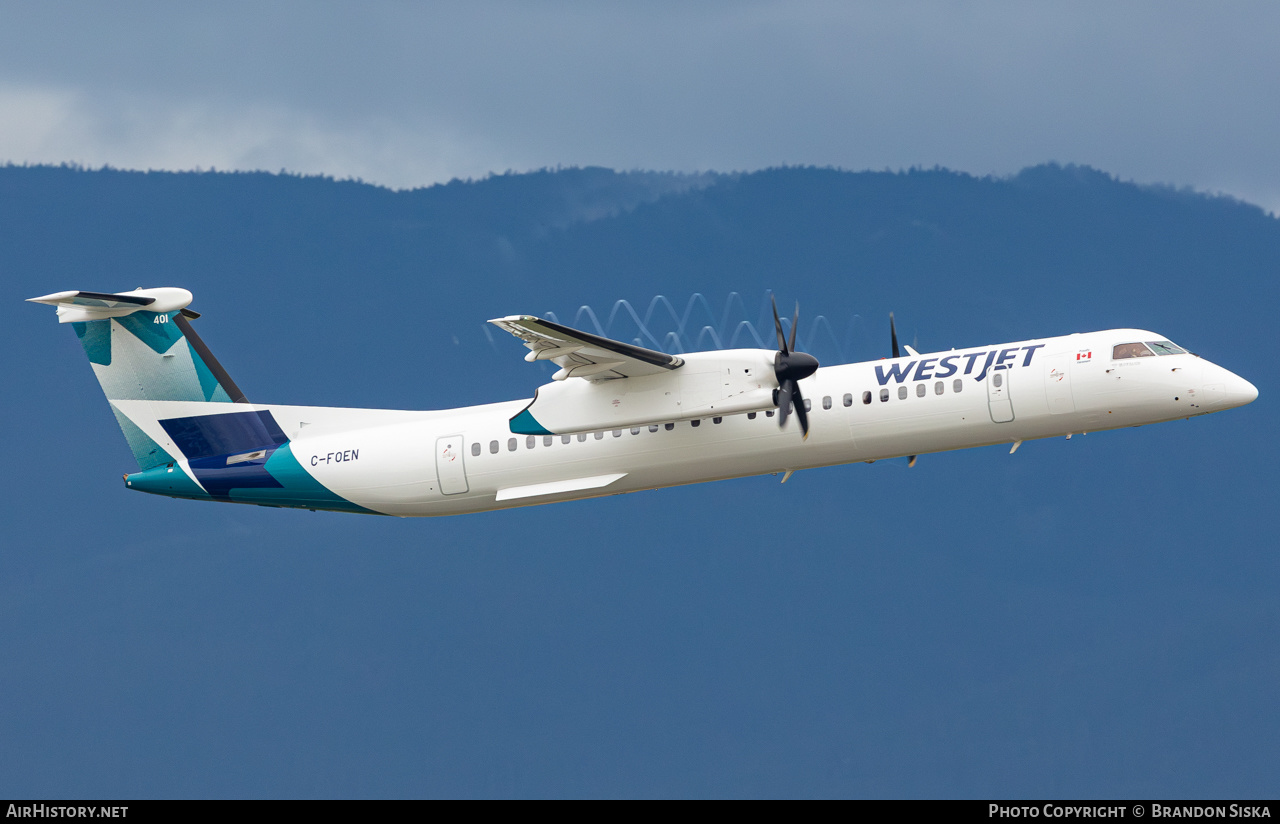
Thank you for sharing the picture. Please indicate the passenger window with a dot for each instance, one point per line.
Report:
(1130, 350)
(493, 447)
(957, 385)
(884, 395)
(475, 448)
(530, 442)
(866, 396)
(751, 416)
(716, 420)
(939, 387)
(582, 437)
(768, 413)
(808, 406)
(635, 430)
(617, 433)
(998, 379)
(546, 440)
(848, 399)
(565, 438)
(920, 390)
(902, 393)
(653, 428)
(1164, 347)
(669, 426)
(600, 435)
(695, 424)
(826, 401)
(511, 444)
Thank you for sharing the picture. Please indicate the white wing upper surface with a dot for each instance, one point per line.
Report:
(78, 307)
(583, 355)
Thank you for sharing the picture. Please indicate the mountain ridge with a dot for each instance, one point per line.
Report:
(960, 258)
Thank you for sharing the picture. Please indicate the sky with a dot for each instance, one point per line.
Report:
(407, 95)
(1092, 617)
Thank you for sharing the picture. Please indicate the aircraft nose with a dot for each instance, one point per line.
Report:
(1242, 391)
(1225, 389)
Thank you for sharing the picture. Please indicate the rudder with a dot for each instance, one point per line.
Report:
(142, 348)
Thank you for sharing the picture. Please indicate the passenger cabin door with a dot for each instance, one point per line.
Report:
(998, 395)
(449, 467)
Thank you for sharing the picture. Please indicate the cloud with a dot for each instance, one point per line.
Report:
(409, 94)
(53, 125)
(36, 123)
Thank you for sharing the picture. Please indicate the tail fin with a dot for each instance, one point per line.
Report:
(142, 348)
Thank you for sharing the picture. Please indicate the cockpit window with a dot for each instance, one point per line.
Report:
(1165, 347)
(1130, 350)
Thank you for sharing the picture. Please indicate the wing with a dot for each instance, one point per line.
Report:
(583, 355)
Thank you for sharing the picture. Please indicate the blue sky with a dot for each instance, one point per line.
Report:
(410, 94)
(1087, 617)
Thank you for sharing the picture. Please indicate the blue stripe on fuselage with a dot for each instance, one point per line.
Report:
(204, 436)
(208, 440)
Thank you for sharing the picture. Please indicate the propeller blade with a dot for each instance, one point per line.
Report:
(893, 335)
(911, 460)
(777, 325)
(784, 401)
(790, 367)
(798, 400)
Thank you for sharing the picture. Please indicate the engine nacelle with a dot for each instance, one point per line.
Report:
(709, 384)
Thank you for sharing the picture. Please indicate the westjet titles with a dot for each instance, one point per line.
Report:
(947, 366)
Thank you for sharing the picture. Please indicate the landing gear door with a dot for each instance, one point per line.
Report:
(449, 466)
(998, 395)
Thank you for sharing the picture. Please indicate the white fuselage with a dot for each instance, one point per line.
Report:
(467, 460)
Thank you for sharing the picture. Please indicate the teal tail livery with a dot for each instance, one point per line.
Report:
(142, 348)
(616, 417)
(149, 361)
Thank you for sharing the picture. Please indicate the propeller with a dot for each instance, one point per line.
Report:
(893, 338)
(790, 367)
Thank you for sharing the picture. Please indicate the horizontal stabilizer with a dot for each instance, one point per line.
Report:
(81, 307)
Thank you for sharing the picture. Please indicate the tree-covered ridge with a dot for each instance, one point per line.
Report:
(962, 258)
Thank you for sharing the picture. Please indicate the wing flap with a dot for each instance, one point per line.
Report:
(582, 354)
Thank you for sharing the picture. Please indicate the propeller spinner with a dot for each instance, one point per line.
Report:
(790, 367)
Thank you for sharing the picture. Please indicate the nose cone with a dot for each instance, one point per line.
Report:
(1241, 391)
(1225, 389)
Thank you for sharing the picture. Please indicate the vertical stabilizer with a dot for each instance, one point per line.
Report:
(142, 348)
